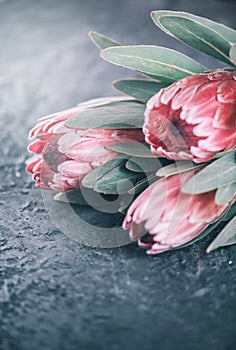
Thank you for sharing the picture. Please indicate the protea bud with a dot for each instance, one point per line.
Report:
(194, 118)
(63, 155)
(164, 217)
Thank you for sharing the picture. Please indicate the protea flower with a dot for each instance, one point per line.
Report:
(194, 118)
(63, 155)
(165, 218)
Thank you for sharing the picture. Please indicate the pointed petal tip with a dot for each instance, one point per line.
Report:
(208, 250)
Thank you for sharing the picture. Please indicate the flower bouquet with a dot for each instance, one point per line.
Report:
(164, 151)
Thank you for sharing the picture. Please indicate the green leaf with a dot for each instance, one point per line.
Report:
(102, 41)
(117, 181)
(106, 101)
(74, 197)
(90, 179)
(226, 237)
(230, 213)
(221, 154)
(219, 173)
(97, 102)
(140, 89)
(106, 202)
(112, 177)
(227, 32)
(176, 168)
(232, 54)
(133, 149)
(143, 165)
(201, 33)
(123, 210)
(93, 176)
(165, 64)
(225, 194)
(141, 185)
(119, 116)
(83, 197)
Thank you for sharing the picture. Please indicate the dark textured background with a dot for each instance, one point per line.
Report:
(59, 295)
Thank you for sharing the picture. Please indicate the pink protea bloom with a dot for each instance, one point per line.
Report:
(162, 217)
(194, 118)
(63, 155)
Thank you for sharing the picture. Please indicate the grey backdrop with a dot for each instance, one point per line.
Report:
(59, 295)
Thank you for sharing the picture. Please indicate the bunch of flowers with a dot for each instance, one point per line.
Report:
(167, 146)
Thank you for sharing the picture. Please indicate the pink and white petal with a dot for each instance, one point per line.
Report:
(67, 141)
(73, 168)
(182, 97)
(38, 145)
(167, 94)
(204, 93)
(218, 141)
(60, 183)
(34, 164)
(204, 129)
(226, 92)
(199, 79)
(200, 155)
(158, 248)
(225, 116)
(195, 114)
(185, 234)
(204, 209)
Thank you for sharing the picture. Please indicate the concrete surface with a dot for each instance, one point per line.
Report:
(59, 295)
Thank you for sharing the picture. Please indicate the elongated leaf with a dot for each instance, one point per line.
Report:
(102, 41)
(143, 184)
(232, 54)
(176, 168)
(123, 210)
(201, 33)
(226, 193)
(134, 149)
(93, 176)
(105, 101)
(95, 103)
(230, 213)
(165, 64)
(83, 197)
(140, 89)
(227, 32)
(112, 177)
(117, 181)
(74, 197)
(121, 116)
(221, 154)
(219, 173)
(226, 237)
(143, 165)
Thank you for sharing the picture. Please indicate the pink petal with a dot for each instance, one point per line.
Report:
(227, 93)
(72, 168)
(225, 116)
(182, 97)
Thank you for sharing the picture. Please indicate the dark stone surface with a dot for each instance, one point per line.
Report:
(54, 293)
